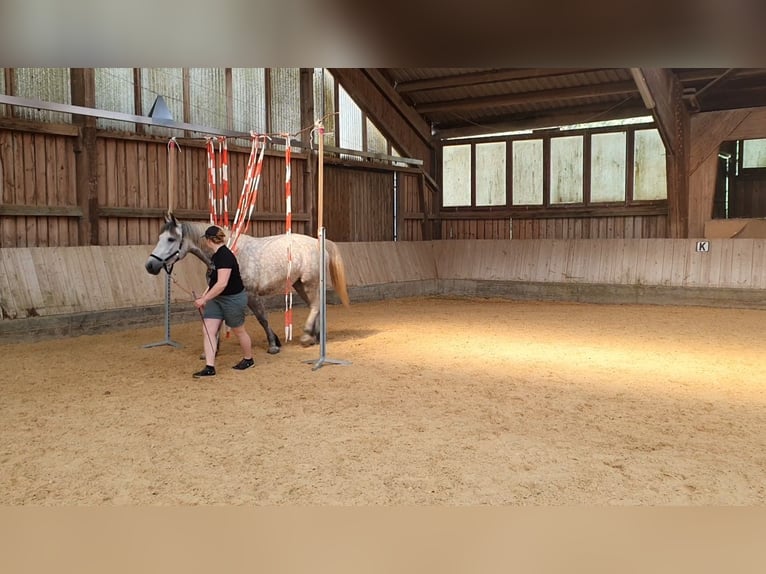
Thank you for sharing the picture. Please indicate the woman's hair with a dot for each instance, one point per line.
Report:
(215, 234)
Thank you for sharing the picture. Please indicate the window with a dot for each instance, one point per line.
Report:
(456, 188)
(490, 174)
(649, 171)
(566, 170)
(753, 153)
(559, 168)
(608, 164)
(528, 172)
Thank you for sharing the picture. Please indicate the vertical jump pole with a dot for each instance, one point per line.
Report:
(172, 147)
(322, 360)
(168, 340)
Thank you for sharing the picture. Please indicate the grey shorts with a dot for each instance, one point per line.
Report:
(229, 308)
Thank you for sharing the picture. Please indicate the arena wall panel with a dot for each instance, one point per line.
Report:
(77, 290)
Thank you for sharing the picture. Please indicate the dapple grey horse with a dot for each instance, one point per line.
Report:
(263, 263)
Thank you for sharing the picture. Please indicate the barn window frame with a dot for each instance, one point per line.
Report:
(546, 137)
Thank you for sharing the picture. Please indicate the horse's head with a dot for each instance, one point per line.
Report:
(171, 247)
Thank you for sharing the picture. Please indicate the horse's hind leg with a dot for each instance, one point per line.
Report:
(256, 306)
(310, 329)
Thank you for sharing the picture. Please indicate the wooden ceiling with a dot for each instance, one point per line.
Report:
(461, 102)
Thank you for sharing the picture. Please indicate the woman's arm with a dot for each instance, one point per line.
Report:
(223, 279)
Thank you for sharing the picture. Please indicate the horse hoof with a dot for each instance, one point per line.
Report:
(273, 350)
(307, 340)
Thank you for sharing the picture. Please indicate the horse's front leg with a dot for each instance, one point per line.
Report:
(256, 306)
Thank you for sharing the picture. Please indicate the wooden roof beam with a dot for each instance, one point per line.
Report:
(489, 77)
(662, 92)
(404, 128)
(580, 92)
(527, 121)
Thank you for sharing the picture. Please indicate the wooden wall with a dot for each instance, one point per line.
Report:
(40, 282)
(730, 263)
(614, 227)
(747, 198)
(38, 199)
(708, 131)
(46, 281)
(358, 204)
(133, 190)
(41, 205)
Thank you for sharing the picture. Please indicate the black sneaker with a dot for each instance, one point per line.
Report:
(244, 364)
(208, 371)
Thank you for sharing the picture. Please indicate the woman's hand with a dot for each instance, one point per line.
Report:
(199, 303)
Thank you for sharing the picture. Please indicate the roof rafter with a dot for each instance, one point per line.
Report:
(489, 77)
(579, 92)
(565, 116)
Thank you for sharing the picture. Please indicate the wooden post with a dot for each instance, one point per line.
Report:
(83, 86)
(307, 119)
(172, 174)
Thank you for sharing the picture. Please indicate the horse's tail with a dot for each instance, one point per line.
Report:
(338, 273)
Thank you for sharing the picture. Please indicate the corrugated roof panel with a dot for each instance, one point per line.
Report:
(285, 100)
(324, 104)
(114, 92)
(207, 97)
(47, 84)
(249, 99)
(168, 83)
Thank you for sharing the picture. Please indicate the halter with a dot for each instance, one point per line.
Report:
(176, 253)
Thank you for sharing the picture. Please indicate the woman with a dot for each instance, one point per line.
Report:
(224, 299)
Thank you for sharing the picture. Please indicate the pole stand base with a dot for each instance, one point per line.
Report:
(160, 343)
(321, 361)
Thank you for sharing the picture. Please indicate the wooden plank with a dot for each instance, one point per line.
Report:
(666, 248)
(645, 261)
(752, 127)
(7, 189)
(142, 189)
(697, 267)
(531, 258)
(95, 278)
(19, 239)
(630, 261)
(758, 271)
(602, 267)
(557, 260)
(60, 278)
(40, 211)
(132, 195)
(8, 304)
(53, 282)
(726, 247)
(742, 262)
(22, 277)
(110, 178)
(578, 261)
(681, 250)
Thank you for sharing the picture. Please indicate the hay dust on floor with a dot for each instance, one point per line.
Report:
(444, 402)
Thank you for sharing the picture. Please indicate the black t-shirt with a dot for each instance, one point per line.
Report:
(225, 259)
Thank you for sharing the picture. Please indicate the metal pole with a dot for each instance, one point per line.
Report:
(168, 340)
(322, 360)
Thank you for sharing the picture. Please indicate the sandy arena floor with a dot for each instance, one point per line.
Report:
(445, 402)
